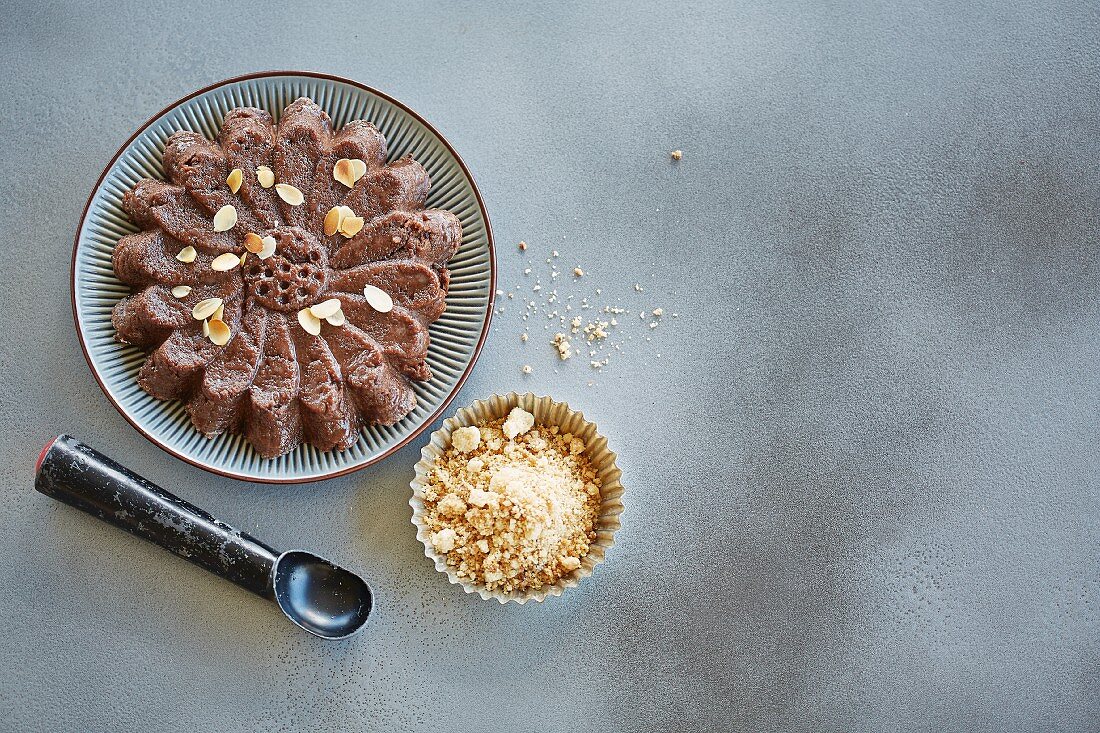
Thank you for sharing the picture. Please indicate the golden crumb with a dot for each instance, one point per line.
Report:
(517, 512)
(522, 245)
(526, 369)
(677, 154)
(561, 343)
(578, 272)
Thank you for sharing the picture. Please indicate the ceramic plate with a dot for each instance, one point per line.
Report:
(456, 338)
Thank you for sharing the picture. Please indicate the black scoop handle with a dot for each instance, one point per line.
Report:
(79, 476)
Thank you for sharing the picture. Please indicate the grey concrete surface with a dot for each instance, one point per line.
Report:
(862, 473)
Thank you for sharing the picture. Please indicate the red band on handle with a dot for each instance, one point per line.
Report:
(42, 455)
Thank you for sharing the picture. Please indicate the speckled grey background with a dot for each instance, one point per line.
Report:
(862, 474)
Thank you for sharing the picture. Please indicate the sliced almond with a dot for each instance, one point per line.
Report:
(378, 298)
(225, 219)
(268, 248)
(187, 254)
(358, 169)
(289, 194)
(265, 176)
(236, 178)
(205, 308)
(219, 314)
(326, 308)
(225, 262)
(181, 291)
(309, 322)
(332, 221)
(336, 319)
(351, 225)
(206, 329)
(244, 256)
(341, 172)
(253, 242)
(219, 332)
(348, 171)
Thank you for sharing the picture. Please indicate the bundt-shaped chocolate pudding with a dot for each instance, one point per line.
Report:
(284, 279)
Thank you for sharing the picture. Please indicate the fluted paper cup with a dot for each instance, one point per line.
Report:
(547, 413)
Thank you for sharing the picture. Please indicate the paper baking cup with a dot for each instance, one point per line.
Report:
(548, 413)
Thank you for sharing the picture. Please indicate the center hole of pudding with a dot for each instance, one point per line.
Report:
(283, 284)
(294, 277)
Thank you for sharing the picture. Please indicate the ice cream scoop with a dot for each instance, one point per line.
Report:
(317, 595)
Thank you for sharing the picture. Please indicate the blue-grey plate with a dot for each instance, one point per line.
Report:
(456, 338)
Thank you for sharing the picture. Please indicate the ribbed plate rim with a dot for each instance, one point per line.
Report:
(414, 429)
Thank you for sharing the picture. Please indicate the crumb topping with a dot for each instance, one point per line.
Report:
(519, 509)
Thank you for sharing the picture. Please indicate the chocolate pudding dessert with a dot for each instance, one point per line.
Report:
(284, 279)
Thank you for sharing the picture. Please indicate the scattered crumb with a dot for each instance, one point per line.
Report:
(522, 245)
(595, 330)
(526, 369)
(559, 321)
(561, 343)
(677, 154)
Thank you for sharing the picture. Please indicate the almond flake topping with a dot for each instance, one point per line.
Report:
(325, 308)
(225, 219)
(205, 308)
(236, 178)
(378, 298)
(309, 322)
(351, 225)
(253, 242)
(290, 194)
(268, 248)
(265, 176)
(219, 332)
(336, 319)
(206, 329)
(225, 262)
(219, 314)
(348, 171)
(181, 291)
(332, 221)
(187, 254)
